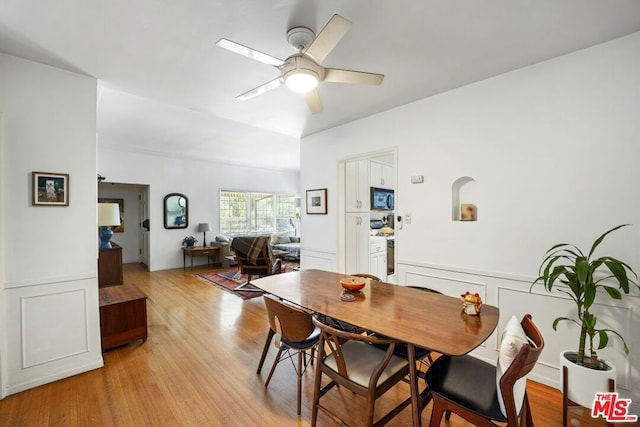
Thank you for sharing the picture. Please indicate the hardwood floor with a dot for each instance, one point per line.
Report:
(198, 368)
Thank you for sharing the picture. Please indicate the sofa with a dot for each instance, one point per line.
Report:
(279, 241)
(289, 244)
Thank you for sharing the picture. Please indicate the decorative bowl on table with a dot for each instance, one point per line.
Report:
(353, 283)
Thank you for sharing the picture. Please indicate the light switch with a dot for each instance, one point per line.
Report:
(407, 218)
(417, 179)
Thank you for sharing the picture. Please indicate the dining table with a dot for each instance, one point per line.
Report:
(420, 319)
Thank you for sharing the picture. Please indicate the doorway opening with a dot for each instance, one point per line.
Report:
(133, 234)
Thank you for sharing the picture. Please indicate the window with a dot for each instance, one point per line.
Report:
(244, 212)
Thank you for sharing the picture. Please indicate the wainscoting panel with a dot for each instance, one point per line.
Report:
(53, 327)
(53, 331)
(511, 295)
(321, 260)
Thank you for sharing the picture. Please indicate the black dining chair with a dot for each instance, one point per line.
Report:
(473, 389)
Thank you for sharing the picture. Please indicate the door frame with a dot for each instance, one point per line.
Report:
(342, 194)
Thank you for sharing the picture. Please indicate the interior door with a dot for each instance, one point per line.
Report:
(144, 226)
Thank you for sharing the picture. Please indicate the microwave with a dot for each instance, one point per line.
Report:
(382, 199)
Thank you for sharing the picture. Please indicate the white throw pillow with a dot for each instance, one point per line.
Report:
(283, 238)
(513, 338)
(274, 239)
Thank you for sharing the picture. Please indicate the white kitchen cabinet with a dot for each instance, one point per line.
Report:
(357, 242)
(357, 186)
(378, 257)
(381, 175)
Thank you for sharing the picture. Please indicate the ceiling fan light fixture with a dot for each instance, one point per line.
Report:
(301, 81)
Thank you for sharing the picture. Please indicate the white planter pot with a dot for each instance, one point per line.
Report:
(583, 383)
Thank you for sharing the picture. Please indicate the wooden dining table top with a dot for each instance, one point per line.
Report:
(425, 319)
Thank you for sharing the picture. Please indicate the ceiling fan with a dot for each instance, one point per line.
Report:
(302, 71)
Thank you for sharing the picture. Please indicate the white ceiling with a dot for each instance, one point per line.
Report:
(167, 89)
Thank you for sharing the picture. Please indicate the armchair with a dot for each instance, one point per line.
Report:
(254, 258)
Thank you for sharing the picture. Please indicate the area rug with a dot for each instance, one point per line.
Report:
(228, 279)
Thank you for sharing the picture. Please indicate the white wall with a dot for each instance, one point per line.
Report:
(200, 181)
(553, 149)
(48, 285)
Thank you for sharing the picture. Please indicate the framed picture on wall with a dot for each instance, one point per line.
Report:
(50, 189)
(317, 201)
(120, 202)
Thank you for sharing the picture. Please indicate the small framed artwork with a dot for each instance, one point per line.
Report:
(50, 189)
(317, 201)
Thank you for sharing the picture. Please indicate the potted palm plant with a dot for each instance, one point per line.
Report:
(585, 279)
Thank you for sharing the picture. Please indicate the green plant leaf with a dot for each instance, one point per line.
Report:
(589, 295)
(613, 292)
(582, 270)
(601, 238)
(603, 339)
(590, 321)
(619, 271)
(555, 322)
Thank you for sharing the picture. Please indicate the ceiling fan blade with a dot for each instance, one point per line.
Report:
(349, 76)
(328, 38)
(260, 89)
(249, 53)
(313, 101)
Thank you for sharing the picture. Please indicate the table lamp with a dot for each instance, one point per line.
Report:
(204, 227)
(108, 216)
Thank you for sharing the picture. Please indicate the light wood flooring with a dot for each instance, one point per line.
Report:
(198, 368)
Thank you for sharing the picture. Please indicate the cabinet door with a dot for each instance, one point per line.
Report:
(378, 262)
(375, 174)
(357, 243)
(357, 186)
(388, 176)
(381, 175)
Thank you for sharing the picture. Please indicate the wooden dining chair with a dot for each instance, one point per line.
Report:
(358, 366)
(294, 333)
(478, 391)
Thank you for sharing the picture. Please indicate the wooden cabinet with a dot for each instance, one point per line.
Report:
(357, 242)
(381, 175)
(123, 315)
(378, 257)
(110, 266)
(357, 186)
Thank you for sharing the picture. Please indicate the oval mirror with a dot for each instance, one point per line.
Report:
(176, 211)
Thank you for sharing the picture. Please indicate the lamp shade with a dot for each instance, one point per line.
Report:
(204, 227)
(108, 214)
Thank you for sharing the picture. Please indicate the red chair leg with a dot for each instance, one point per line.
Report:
(437, 411)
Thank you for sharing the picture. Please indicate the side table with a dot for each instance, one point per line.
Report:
(123, 315)
(196, 251)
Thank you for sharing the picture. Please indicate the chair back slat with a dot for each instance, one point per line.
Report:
(335, 338)
(523, 363)
(291, 322)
